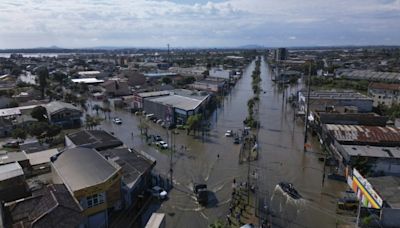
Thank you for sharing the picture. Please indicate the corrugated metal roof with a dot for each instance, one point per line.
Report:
(359, 133)
(180, 102)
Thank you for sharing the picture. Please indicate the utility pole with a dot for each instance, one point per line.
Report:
(308, 107)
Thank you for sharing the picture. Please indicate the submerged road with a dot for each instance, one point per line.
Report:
(281, 159)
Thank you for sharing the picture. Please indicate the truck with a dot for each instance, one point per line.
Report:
(201, 192)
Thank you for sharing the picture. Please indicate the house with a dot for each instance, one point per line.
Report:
(95, 139)
(384, 93)
(63, 114)
(196, 72)
(136, 173)
(135, 78)
(52, 206)
(40, 160)
(12, 182)
(92, 180)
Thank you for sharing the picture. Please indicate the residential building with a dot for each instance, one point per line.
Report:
(136, 170)
(40, 160)
(95, 139)
(384, 93)
(52, 206)
(12, 182)
(281, 54)
(63, 114)
(92, 180)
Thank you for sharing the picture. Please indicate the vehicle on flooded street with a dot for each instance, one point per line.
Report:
(228, 133)
(201, 192)
(289, 189)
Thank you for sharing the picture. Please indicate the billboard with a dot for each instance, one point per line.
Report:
(365, 192)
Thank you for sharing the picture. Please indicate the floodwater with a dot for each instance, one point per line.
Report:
(281, 158)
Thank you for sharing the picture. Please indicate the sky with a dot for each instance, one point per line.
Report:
(198, 23)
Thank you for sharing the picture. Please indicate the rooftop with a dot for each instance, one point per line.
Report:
(371, 75)
(360, 134)
(87, 80)
(10, 170)
(372, 151)
(9, 157)
(41, 157)
(388, 188)
(56, 106)
(80, 168)
(180, 102)
(133, 163)
(385, 86)
(14, 111)
(97, 139)
(154, 94)
(52, 206)
(334, 95)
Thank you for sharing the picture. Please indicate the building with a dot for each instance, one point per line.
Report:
(281, 54)
(95, 139)
(332, 100)
(214, 86)
(372, 76)
(89, 74)
(52, 206)
(384, 93)
(175, 109)
(220, 73)
(92, 180)
(137, 102)
(196, 72)
(40, 160)
(116, 87)
(12, 182)
(136, 170)
(63, 114)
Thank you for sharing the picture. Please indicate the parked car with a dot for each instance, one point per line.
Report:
(157, 138)
(117, 120)
(229, 133)
(159, 192)
(162, 144)
(12, 144)
(236, 140)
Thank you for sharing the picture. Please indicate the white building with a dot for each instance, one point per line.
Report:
(384, 93)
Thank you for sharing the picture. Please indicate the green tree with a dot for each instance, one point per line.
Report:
(193, 123)
(19, 133)
(53, 130)
(59, 77)
(96, 107)
(39, 113)
(91, 122)
(166, 80)
(43, 74)
(38, 129)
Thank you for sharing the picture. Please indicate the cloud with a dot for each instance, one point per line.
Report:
(75, 23)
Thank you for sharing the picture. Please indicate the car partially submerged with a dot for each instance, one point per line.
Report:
(159, 192)
(117, 121)
(162, 144)
(201, 192)
(229, 133)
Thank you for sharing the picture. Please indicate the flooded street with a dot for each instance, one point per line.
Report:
(281, 158)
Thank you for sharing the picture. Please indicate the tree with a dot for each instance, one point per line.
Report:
(91, 122)
(166, 80)
(39, 113)
(193, 123)
(43, 74)
(19, 133)
(53, 130)
(38, 129)
(59, 77)
(96, 107)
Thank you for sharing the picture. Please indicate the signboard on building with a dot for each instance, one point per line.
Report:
(365, 191)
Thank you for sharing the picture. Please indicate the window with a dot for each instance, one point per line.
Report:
(95, 200)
